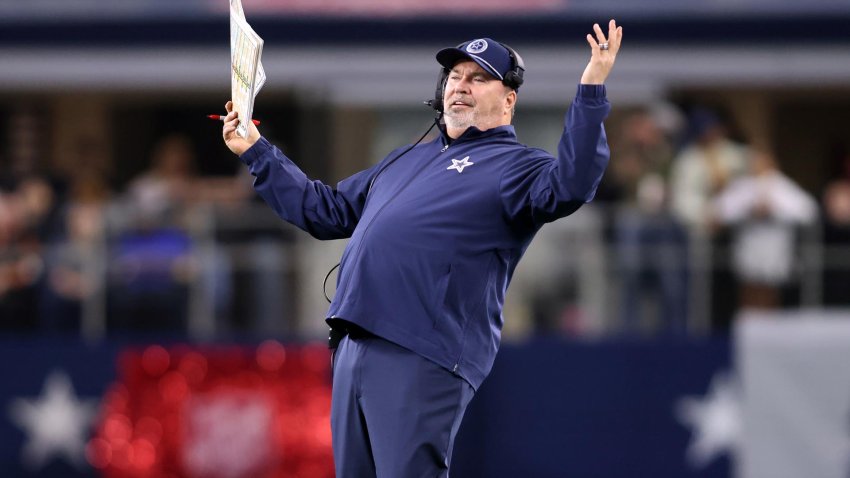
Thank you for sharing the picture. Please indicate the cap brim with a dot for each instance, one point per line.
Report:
(448, 57)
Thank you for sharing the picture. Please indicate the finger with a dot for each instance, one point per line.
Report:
(612, 31)
(616, 40)
(228, 106)
(593, 45)
(231, 115)
(231, 126)
(599, 35)
(231, 121)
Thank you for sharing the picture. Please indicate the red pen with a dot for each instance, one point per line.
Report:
(221, 118)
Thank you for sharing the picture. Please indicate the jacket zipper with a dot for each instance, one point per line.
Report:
(381, 209)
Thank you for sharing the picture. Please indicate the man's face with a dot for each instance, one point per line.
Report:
(473, 97)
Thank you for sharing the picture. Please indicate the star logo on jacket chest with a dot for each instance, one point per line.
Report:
(459, 164)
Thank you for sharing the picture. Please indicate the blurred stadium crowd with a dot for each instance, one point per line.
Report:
(120, 210)
(690, 219)
(125, 220)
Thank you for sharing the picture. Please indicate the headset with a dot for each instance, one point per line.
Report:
(513, 79)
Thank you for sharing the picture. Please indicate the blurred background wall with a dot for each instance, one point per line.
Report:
(124, 221)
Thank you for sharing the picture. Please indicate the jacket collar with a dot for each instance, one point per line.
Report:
(473, 133)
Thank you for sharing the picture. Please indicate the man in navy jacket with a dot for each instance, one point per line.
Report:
(436, 230)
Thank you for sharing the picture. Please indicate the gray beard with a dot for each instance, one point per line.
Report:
(459, 120)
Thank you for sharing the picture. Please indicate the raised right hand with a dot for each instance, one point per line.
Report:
(601, 61)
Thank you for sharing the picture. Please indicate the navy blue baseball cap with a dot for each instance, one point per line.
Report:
(488, 53)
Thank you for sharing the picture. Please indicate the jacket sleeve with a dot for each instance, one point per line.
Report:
(322, 211)
(539, 188)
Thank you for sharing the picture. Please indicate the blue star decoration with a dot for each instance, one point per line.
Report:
(460, 164)
(715, 421)
(56, 423)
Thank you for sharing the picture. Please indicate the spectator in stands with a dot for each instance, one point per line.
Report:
(765, 208)
(172, 184)
(74, 257)
(708, 161)
(27, 206)
(151, 262)
(651, 243)
(157, 262)
(705, 165)
(166, 185)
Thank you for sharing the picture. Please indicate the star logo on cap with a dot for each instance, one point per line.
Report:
(460, 164)
(477, 46)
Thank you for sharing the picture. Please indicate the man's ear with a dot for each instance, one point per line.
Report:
(510, 100)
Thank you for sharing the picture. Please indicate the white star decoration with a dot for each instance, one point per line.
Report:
(460, 164)
(714, 420)
(56, 423)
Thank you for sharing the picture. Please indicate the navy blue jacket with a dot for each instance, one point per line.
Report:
(435, 241)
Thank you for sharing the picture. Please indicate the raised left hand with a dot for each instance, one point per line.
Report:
(236, 143)
(602, 60)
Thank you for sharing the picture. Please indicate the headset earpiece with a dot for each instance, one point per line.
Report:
(514, 78)
(437, 104)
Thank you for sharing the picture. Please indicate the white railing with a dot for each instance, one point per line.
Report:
(246, 270)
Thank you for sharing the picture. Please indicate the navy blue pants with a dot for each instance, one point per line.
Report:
(394, 414)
